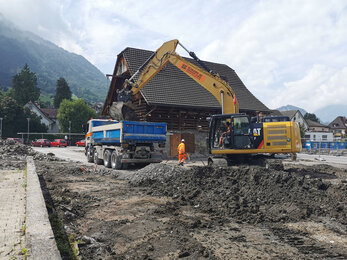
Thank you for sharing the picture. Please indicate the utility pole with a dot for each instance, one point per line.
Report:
(1, 127)
(70, 132)
(28, 118)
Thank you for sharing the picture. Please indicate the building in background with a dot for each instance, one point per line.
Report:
(48, 116)
(176, 99)
(296, 116)
(339, 127)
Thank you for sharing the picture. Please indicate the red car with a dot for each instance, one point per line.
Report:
(41, 142)
(81, 143)
(19, 140)
(59, 143)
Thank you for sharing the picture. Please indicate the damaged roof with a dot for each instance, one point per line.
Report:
(172, 87)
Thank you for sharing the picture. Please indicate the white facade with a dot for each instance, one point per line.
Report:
(300, 119)
(319, 136)
(52, 124)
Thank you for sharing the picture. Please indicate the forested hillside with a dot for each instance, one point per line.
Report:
(49, 62)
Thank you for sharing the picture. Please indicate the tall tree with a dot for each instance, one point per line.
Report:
(77, 111)
(312, 117)
(62, 92)
(15, 118)
(24, 85)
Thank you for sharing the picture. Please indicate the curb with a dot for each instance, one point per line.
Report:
(39, 234)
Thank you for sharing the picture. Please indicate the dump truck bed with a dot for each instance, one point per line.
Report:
(131, 132)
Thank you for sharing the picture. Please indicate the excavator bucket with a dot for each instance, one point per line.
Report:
(123, 111)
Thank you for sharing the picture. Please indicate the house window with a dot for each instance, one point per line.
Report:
(324, 137)
(307, 136)
(314, 137)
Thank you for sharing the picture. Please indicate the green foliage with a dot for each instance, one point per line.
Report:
(49, 63)
(15, 118)
(24, 85)
(62, 92)
(77, 111)
(312, 117)
(302, 130)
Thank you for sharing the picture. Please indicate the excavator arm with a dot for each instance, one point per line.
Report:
(166, 53)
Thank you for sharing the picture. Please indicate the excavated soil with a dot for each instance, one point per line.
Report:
(163, 211)
(168, 212)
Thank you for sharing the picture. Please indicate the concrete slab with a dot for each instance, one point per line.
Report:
(39, 234)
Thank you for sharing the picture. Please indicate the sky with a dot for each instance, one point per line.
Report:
(285, 51)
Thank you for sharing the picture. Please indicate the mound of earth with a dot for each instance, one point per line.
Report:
(255, 194)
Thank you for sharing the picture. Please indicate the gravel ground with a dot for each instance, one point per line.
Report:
(163, 211)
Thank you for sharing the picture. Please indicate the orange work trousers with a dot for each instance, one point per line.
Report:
(181, 157)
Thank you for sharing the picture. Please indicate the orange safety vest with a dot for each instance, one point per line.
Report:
(181, 148)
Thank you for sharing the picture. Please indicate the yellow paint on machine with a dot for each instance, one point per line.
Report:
(279, 137)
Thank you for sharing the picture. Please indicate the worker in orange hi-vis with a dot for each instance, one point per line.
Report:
(181, 152)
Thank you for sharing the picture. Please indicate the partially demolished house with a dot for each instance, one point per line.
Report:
(173, 97)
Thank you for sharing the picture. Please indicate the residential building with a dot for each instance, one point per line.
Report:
(339, 127)
(48, 116)
(175, 98)
(296, 116)
(318, 132)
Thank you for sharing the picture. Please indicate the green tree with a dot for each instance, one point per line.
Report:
(62, 92)
(312, 117)
(24, 86)
(77, 111)
(15, 118)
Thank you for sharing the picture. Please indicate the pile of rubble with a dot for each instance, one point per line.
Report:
(155, 172)
(254, 194)
(14, 149)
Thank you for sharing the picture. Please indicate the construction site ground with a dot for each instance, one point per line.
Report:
(285, 210)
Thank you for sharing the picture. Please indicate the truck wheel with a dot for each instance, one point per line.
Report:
(96, 159)
(107, 158)
(116, 161)
(90, 157)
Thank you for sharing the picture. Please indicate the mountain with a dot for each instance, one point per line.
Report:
(49, 62)
(290, 107)
(328, 113)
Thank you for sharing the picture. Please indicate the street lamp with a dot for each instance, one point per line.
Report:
(1, 127)
(28, 118)
(70, 132)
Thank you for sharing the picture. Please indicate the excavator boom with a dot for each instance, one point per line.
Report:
(212, 82)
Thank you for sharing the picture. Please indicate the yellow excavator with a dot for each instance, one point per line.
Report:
(231, 135)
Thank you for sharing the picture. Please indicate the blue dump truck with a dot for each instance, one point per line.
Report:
(117, 144)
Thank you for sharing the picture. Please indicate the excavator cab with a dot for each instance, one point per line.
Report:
(231, 131)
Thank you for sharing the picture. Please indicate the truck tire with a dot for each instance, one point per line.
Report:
(96, 159)
(90, 157)
(107, 158)
(116, 161)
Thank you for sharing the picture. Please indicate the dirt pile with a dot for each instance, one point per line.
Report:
(255, 194)
(160, 172)
(14, 149)
(170, 212)
(11, 150)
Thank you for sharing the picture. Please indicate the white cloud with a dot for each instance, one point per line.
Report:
(271, 44)
(319, 87)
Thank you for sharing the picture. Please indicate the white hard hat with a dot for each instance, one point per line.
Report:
(182, 140)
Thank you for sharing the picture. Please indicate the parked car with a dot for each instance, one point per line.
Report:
(19, 140)
(59, 143)
(41, 142)
(81, 142)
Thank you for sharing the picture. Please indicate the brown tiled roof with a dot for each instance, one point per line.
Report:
(289, 113)
(50, 112)
(172, 87)
(339, 122)
(314, 123)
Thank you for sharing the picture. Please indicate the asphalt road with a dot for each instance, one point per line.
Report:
(74, 153)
